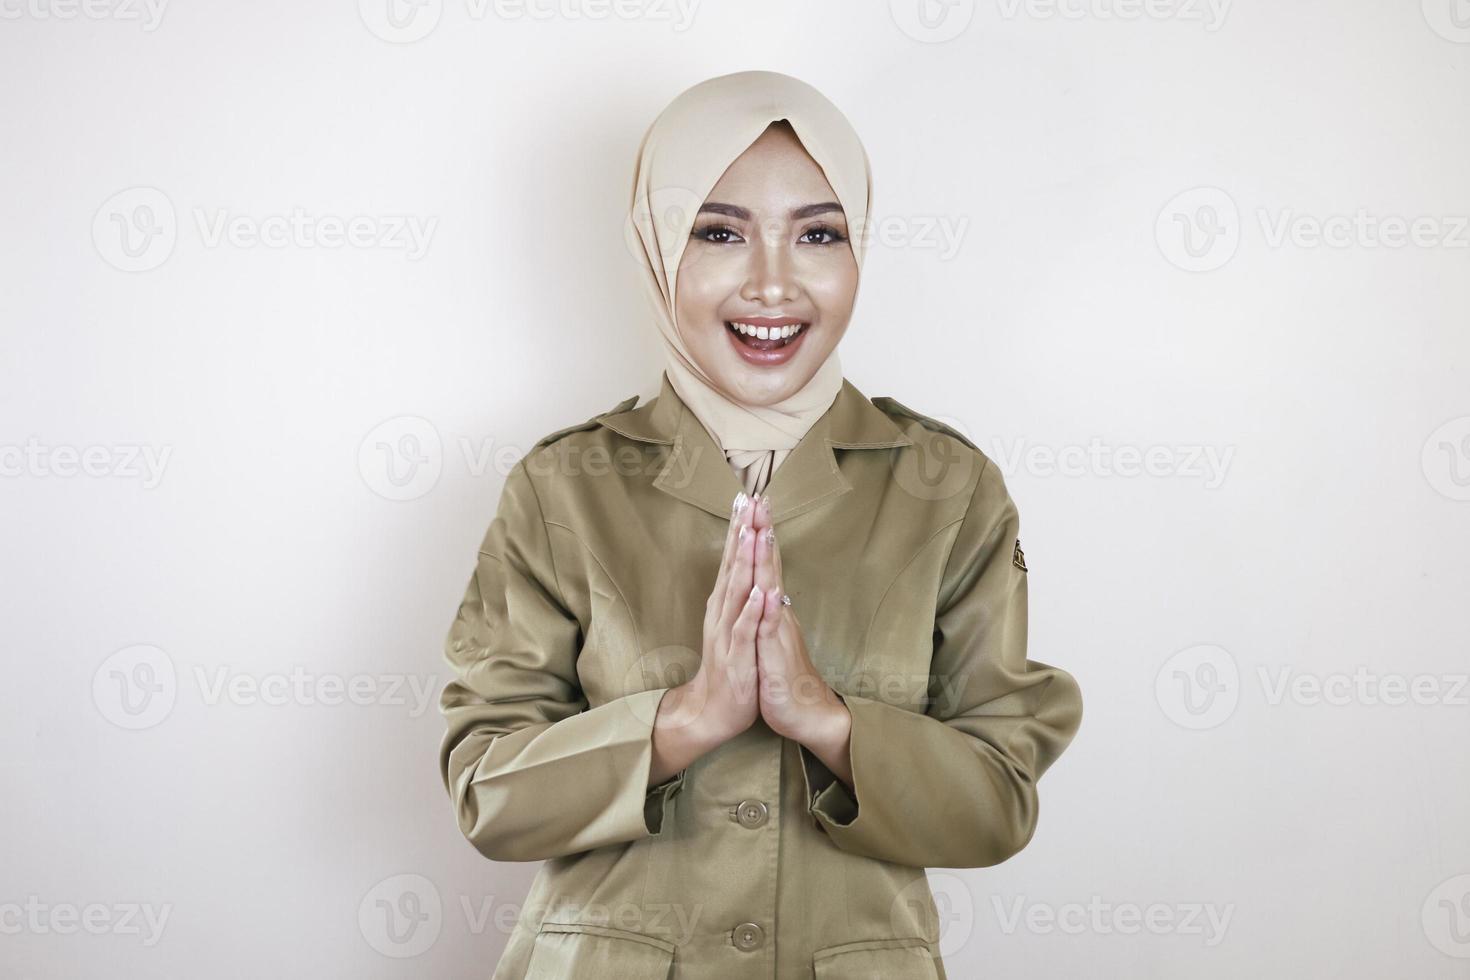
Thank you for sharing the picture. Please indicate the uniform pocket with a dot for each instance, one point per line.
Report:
(876, 959)
(570, 949)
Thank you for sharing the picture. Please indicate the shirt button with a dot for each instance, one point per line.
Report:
(751, 813)
(748, 936)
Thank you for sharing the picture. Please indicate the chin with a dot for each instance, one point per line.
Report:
(765, 386)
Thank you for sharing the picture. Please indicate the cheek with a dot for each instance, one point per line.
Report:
(704, 286)
(831, 282)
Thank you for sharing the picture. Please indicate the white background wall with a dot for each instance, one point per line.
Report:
(1115, 181)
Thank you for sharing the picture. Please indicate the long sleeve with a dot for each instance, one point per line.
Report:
(533, 773)
(955, 786)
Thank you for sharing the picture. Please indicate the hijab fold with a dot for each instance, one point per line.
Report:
(683, 155)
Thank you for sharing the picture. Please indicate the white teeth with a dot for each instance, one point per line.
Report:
(768, 333)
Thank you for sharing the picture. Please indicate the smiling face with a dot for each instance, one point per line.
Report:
(767, 283)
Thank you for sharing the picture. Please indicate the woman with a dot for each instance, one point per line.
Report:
(719, 788)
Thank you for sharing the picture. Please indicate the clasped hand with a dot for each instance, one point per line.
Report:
(755, 659)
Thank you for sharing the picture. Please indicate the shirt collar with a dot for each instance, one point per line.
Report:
(697, 472)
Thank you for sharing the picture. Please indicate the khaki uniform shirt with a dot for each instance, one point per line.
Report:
(900, 548)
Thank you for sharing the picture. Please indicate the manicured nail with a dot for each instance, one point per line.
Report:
(766, 504)
(740, 538)
(770, 535)
(740, 501)
(755, 591)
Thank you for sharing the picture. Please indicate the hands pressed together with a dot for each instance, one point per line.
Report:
(754, 663)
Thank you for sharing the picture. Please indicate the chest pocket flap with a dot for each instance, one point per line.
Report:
(880, 959)
(565, 950)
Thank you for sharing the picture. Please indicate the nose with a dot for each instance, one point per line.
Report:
(771, 278)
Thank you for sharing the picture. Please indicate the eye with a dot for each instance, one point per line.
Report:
(827, 232)
(716, 234)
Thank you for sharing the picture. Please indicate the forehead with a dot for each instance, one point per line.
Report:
(774, 171)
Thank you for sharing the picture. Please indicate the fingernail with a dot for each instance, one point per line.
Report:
(755, 591)
(740, 501)
(770, 535)
(740, 538)
(766, 504)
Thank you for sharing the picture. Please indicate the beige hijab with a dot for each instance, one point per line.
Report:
(684, 154)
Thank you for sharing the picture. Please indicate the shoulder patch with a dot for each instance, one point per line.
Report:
(898, 408)
(591, 423)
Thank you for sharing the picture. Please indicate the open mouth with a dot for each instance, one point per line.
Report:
(766, 338)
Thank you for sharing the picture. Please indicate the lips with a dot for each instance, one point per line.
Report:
(783, 336)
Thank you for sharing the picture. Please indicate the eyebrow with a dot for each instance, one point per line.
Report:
(741, 214)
